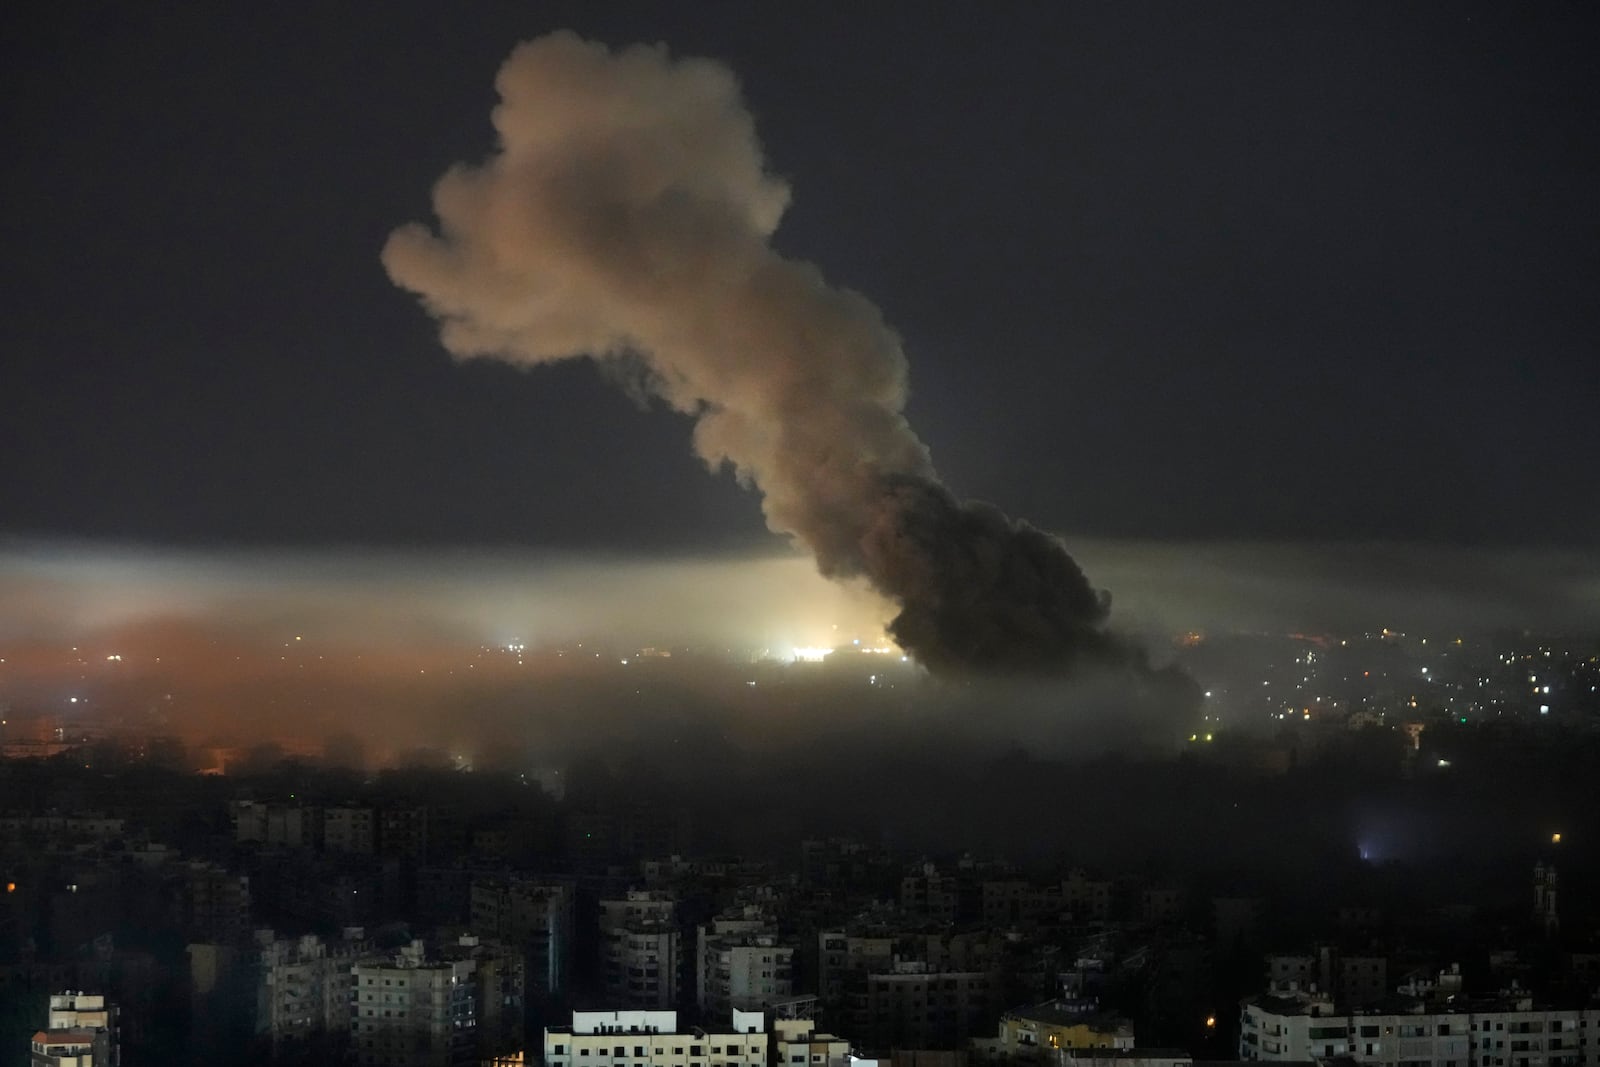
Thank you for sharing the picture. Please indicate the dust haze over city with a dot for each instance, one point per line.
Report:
(1033, 441)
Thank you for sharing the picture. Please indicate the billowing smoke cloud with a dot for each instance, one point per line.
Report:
(627, 215)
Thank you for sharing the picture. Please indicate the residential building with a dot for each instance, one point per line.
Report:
(214, 904)
(349, 829)
(407, 1011)
(1410, 1031)
(1036, 1031)
(534, 915)
(1010, 901)
(1085, 899)
(652, 1038)
(63, 1048)
(929, 894)
(1122, 1057)
(915, 1006)
(499, 979)
(81, 1030)
(289, 825)
(642, 941)
(403, 832)
(304, 985)
(844, 961)
(739, 962)
(796, 1042)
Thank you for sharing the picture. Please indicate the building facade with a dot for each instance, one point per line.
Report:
(739, 963)
(81, 1030)
(1413, 1032)
(652, 1038)
(406, 1011)
(642, 941)
(304, 985)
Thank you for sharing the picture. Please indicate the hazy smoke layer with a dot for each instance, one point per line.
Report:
(627, 213)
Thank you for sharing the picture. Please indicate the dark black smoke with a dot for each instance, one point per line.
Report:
(982, 592)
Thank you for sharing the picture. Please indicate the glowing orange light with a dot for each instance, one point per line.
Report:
(1211, 1022)
(11, 887)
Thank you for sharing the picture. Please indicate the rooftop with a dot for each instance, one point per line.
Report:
(1057, 1013)
(63, 1037)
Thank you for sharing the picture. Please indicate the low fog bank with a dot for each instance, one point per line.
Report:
(467, 595)
(1158, 588)
(1345, 587)
(532, 660)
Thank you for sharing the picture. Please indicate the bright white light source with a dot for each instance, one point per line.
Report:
(810, 654)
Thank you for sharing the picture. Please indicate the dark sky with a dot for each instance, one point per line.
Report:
(1171, 271)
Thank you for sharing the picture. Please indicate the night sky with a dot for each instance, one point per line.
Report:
(1274, 272)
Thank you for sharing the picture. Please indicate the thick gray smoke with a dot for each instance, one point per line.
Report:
(627, 212)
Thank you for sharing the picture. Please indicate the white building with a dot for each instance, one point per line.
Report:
(63, 1048)
(1502, 1031)
(80, 1031)
(650, 1038)
(408, 1012)
(796, 1042)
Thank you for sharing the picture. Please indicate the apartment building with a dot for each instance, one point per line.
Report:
(652, 1038)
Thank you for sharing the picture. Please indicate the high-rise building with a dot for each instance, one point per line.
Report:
(304, 985)
(349, 829)
(214, 903)
(642, 941)
(403, 832)
(534, 915)
(80, 1031)
(499, 993)
(406, 1011)
(739, 962)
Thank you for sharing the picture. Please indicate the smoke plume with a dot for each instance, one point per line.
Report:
(626, 214)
